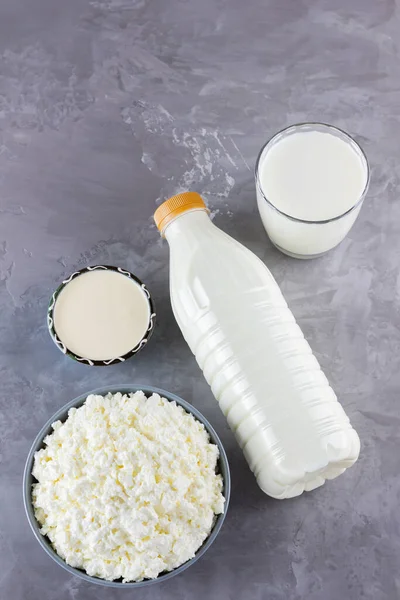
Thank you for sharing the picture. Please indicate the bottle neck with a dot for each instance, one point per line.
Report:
(188, 224)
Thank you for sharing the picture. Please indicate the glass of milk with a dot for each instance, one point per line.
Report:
(311, 180)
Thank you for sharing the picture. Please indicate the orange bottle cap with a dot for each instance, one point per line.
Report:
(175, 206)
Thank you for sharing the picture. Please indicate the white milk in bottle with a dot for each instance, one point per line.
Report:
(285, 416)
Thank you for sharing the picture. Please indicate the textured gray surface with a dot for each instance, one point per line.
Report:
(108, 106)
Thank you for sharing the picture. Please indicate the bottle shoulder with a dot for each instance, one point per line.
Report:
(214, 251)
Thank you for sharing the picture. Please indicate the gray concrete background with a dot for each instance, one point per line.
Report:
(107, 107)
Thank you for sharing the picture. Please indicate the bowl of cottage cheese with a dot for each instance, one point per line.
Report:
(126, 486)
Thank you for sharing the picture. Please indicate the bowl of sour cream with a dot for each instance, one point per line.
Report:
(101, 315)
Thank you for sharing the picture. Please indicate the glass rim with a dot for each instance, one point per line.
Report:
(350, 139)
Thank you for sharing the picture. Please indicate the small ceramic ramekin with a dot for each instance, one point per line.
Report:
(113, 360)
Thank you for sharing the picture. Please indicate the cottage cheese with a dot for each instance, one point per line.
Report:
(127, 486)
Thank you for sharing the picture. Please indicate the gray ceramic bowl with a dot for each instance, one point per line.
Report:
(61, 415)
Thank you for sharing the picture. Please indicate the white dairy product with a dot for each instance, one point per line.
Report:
(102, 314)
(286, 417)
(127, 486)
(310, 173)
